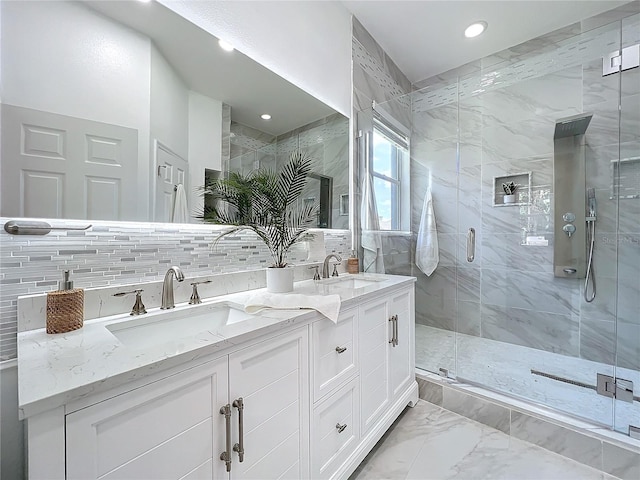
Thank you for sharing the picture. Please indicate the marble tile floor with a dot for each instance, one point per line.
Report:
(430, 443)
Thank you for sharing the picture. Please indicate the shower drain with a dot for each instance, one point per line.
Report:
(582, 384)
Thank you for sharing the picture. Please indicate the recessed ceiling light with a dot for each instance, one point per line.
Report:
(475, 29)
(225, 45)
(144, 1)
(265, 116)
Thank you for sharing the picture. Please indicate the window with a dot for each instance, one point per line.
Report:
(390, 171)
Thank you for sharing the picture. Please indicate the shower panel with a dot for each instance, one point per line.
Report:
(569, 253)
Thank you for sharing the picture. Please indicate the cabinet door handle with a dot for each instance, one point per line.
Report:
(226, 455)
(341, 349)
(239, 447)
(341, 428)
(395, 330)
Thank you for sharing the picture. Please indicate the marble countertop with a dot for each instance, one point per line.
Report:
(54, 370)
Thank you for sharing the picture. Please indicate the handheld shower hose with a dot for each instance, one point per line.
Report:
(591, 240)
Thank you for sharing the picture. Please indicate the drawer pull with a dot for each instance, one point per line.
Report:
(341, 428)
(341, 349)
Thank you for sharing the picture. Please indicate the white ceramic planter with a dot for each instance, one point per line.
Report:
(279, 280)
(509, 198)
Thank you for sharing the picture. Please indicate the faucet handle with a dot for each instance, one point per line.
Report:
(195, 297)
(316, 274)
(335, 270)
(138, 306)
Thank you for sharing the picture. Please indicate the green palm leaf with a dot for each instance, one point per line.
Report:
(266, 203)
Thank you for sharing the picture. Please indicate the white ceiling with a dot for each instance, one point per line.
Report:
(425, 37)
(230, 77)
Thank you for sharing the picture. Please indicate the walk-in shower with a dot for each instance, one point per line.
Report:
(523, 318)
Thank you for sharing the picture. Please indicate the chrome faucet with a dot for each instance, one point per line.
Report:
(325, 265)
(167, 287)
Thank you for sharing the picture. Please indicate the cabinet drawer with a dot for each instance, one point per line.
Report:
(334, 352)
(335, 430)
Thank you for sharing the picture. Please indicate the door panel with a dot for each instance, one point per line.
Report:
(56, 166)
(170, 428)
(374, 335)
(272, 379)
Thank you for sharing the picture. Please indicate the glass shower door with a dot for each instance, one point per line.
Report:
(626, 178)
(520, 328)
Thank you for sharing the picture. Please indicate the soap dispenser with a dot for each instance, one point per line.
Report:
(353, 264)
(65, 307)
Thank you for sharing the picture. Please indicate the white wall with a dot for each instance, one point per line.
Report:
(205, 143)
(72, 61)
(305, 42)
(169, 105)
(169, 116)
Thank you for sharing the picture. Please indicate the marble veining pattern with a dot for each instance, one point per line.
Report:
(57, 369)
(507, 367)
(428, 442)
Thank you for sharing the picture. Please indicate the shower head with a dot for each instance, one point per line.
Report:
(572, 126)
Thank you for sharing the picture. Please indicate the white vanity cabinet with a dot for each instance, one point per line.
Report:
(174, 428)
(308, 398)
(168, 429)
(386, 336)
(355, 406)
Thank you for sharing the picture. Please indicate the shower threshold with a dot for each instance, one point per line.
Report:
(587, 442)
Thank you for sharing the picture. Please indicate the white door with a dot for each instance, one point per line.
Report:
(374, 335)
(170, 429)
(171, 170)
(56, 166)
(401, 354)
(272, 380)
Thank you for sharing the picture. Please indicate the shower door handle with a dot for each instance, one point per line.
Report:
(471, 245)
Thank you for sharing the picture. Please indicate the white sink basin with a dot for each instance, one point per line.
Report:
(169, 325)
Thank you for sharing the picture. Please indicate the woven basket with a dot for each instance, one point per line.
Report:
(65, 310)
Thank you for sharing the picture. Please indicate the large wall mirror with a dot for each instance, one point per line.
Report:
(109, 106)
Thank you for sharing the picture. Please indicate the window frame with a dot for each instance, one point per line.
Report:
(388, 129)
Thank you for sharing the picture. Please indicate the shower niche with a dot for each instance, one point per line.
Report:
(521, 194)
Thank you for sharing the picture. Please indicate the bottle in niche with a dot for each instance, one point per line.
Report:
(353, 264)
(65, 307)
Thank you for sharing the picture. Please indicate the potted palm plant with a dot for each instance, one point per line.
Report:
(266, 202)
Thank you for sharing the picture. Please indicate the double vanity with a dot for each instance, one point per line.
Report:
(209, 391)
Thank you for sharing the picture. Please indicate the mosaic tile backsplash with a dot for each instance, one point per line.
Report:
(125, 253)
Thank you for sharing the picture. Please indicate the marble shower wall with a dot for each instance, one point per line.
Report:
(325, 140)
(496, 117)
(376, 78)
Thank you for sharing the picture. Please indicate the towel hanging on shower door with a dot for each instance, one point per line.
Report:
(427, 256)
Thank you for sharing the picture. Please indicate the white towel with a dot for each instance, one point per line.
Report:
(328, 305)
(370, 239)
(180, 209)
(373, 260)
(427, 256)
